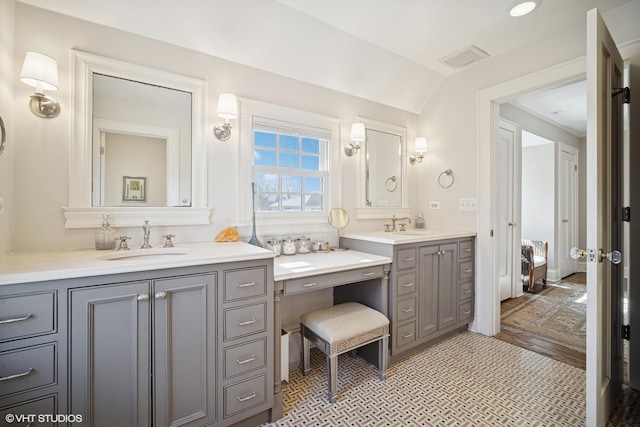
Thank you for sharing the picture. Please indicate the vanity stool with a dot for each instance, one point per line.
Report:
(339, 329)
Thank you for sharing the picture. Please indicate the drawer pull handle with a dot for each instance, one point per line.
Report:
(161, 295)
(13, 377)
(370, 273)
(308, 285)
(466, 312)
(407, 310)
(249, 397)
(468, 270)
(466, 292)
(17, 319)
(143, 297)
(407, 336)
(468, 250)
(247, 322)
(408, 259)
(247, 360)
(246, 285)
(408, 285)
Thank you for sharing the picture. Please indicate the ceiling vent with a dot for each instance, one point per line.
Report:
(464, 57)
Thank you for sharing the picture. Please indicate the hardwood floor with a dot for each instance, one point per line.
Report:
(536, 343)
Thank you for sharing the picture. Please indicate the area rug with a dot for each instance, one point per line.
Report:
(557, 314)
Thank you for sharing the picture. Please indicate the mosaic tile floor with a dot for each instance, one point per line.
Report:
(466, 380)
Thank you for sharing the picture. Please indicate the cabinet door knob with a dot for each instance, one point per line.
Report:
(161, 295)
(143, 297)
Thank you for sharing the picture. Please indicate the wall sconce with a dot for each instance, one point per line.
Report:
(227, 109)
(41, 72)
(357, 135)
(421, 147)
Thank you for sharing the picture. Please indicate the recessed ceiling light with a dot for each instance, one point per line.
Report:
(522, 8)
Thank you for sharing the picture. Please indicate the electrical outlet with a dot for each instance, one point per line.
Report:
(1, 205)
(468, 204)
(434, 205)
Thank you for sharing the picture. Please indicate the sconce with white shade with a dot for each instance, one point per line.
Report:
(421, 148)
(227, 109)
(358, 135)
(41, 72)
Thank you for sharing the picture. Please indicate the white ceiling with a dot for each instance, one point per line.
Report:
(387, 51)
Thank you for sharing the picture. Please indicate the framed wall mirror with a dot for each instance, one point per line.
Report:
(382, 188)
(132, 120)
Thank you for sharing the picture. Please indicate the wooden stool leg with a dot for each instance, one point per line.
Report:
(332, 374)
(383, 346)
(306, 349)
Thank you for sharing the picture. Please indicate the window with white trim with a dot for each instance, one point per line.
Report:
(290, 166)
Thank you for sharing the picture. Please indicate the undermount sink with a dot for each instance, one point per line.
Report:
(143, 253)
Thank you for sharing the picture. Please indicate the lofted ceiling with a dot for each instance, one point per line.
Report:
(387, 51)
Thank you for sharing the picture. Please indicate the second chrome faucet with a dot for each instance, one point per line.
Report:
(147, 232)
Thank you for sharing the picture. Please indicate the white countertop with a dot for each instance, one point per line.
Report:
(40, 266)
(409, 236)
(304, 265)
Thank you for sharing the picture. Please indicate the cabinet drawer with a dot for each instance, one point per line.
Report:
(406, 258)
(406, 284)
(405, 334)
(32, 408)
(27, 315)
(466, 291)
(406, 309)
(306, 284)
(244, 358)
(466, 249)
(466, 311)
(245, 395)
(247, 320)
(466, 270)
(27, 368)
(245, 283)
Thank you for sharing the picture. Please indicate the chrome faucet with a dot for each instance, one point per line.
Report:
(393, 223)
(147, 232)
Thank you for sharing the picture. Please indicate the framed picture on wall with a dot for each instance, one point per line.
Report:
(134, 189)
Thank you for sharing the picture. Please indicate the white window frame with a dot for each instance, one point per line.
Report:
(244, 209)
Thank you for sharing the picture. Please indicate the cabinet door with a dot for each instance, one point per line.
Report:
(428, 290)
(185, 350)
(109, 355)
(448, 286)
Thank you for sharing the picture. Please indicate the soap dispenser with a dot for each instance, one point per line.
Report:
(105, 235)
(420, 222)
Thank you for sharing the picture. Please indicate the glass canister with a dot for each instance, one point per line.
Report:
(274, 245)
(289, 246)
(304, 245)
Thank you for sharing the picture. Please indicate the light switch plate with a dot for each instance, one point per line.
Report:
(467, 204)
(434, 205)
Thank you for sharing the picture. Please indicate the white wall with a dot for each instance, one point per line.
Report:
(538, 196)
(6, 112)
(42, 146)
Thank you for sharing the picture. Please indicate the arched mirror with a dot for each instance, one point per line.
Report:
(137, 148)
(382, 184)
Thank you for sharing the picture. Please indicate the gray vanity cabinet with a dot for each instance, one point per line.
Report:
(430, 289)
(144, 351)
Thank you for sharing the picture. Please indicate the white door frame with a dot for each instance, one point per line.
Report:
(487, 306)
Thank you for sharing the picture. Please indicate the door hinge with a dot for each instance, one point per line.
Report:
(626, 332)
(625, 90)
(491, 233)
(575, 168)
(626, 214)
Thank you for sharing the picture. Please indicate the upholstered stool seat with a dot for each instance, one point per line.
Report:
(342, 328)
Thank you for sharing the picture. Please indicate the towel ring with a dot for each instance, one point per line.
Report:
(448, 173)
(391, 184)
(3, 135)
